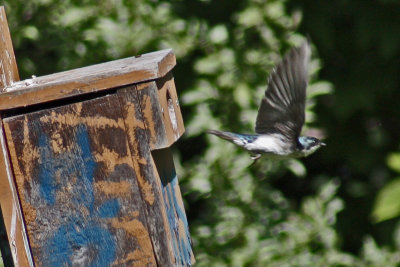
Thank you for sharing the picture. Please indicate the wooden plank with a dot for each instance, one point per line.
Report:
(165, 212)
(161, 111)
(11, 209)
(177, 222)
(88, 79)
(78, 186)
(149, 183)
(8, 65)
(13, 219)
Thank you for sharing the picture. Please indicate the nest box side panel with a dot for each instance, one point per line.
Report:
(149, 183)
(161, 111)
(78, 187)
(177, 221)
(162, 126)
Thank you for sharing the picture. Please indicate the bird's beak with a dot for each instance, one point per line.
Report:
(323, 144)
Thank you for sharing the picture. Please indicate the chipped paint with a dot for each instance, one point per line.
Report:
(18, 172)
(143, 255)
(177, 222)
(16, 223)
(148, 117)
(131, 123)
(73, 119)
(111, 159)
(65, 205)
(110, 188)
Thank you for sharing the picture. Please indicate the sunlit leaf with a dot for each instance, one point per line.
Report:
(218, 34)
(393, 161)
(387, 202)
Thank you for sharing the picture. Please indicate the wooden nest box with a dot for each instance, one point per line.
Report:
(86, 174)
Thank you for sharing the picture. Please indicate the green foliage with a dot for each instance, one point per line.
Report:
(387, 202)
(272, 213)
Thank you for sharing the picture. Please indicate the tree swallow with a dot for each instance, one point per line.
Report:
(281, 114)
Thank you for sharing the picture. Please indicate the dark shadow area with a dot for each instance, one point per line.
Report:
(4, 244)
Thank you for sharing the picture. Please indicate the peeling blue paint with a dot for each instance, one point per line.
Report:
(89, 246)
(182, 245)
(109, 209)
(47, 183)
(80, 239)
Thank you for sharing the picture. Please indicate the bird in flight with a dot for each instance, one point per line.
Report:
(281, 114)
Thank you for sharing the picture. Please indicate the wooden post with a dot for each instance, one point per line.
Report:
(86, 152)
(9, 204)
(8, 68)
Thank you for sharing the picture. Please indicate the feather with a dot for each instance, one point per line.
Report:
(282, 109)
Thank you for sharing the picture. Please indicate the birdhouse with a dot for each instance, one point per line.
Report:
(86, 172)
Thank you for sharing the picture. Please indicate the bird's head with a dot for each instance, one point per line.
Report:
(309, 145)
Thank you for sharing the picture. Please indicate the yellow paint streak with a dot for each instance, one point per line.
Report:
(73, 119)
(130, 110)
(78, 108)
(131, 123)
(113, 188)
(30, 153)
(13, 153)
(57, 144)
(143, 255)
(148, 117)
(111, 158)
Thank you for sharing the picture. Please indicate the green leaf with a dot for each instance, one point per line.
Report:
(218, 34)
(387, 203)
(393, 161)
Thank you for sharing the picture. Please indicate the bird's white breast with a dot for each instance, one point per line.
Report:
(269, 144)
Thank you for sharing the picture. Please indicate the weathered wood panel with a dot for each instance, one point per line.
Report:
(88, 79)
(78, 186)
(165, 212)
(178, 224)
(8, 65)
(10, 207)
(149, 183)
(161, 111)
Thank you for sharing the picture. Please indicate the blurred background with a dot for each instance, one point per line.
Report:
(338, 207)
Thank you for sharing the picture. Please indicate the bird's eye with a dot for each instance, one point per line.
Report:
(314, 142)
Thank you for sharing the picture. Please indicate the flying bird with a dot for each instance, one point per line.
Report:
(281, 114)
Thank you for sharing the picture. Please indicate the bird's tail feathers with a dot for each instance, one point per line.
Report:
(224, 135)
(237, 139)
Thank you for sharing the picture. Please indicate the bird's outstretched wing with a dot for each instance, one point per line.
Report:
(283, 106)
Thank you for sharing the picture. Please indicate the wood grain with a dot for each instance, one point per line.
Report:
(11, 209)
(88, 79)
(165, 212)
(149, 183)
(78, 186)
(13, 219)
(172, 199)
(8, 64)
(161, 111)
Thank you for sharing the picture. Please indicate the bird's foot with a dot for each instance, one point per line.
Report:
(254, 157)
